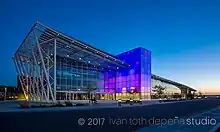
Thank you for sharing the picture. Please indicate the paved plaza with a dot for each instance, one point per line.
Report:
(13, 106)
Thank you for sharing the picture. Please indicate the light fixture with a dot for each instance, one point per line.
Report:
(86, 47)
(99, 64)
(79, 58)
(117, 67)
(67, 55)
(97, 52)
(93, 66)
(51, 54)
(88, 61)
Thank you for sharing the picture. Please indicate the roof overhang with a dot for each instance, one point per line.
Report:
(179, 85)
(71, 49)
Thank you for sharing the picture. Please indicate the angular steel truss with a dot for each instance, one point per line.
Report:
(33, 64)
(36, 61)
(44, 52)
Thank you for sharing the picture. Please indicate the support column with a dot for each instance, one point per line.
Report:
(47, 68)
(43, 65)
(55, 68)
(69, 96)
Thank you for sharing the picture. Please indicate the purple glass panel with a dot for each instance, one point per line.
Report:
(137, 75)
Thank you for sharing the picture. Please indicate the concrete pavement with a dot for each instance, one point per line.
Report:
(13, 106)
(67, 120)
(207, 121)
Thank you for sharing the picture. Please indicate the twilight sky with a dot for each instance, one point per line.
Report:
(183, 35)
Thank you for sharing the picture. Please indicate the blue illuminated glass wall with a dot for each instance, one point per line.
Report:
(145, 72)
(136, 78)
(109, 82)
(128, 79)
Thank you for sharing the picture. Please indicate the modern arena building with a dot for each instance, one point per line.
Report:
(52, 66)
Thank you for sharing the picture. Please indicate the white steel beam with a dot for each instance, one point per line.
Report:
(55, 68)
(43, 65)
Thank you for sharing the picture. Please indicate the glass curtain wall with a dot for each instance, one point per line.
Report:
(134, 82)
(170, 92)
(145, 74)
(76, 77)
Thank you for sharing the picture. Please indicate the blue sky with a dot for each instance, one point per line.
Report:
(183, 35)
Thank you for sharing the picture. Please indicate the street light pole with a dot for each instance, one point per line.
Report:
(5, 93)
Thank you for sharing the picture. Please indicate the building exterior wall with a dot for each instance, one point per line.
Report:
(133, 82)
(170, 89)
(9, 93)
(52, 66)
(145, 73)
(76, 76)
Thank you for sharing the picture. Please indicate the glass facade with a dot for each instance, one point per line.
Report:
(122, 83)
(132, 82)
(76, 76)
(170, 90)
(52, 66)
(145, 73)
